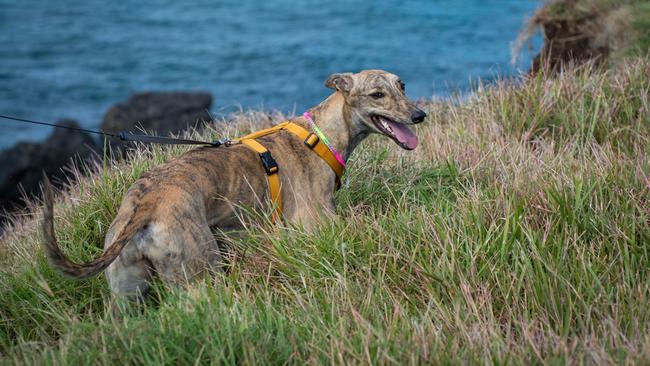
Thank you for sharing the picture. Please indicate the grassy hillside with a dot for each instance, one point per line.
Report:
(517, 232)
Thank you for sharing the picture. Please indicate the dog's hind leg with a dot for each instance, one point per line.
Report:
(130, 275)
(130, 278)
(180, 255)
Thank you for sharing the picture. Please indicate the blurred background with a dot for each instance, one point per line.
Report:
(75, 58)
(162, 65)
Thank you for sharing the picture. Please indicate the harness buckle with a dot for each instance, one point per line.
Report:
(311, 140)
(269, 164)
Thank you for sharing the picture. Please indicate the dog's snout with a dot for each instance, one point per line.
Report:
(418, 116)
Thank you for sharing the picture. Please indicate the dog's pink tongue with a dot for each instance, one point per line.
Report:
(404, 135)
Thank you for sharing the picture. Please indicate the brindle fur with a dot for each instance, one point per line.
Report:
(163, 225)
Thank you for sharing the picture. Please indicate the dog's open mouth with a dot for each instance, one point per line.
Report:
(401, 134)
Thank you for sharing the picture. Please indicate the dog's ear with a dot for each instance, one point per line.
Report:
(342, 82)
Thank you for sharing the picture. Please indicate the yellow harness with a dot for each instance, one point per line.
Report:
(311, 140)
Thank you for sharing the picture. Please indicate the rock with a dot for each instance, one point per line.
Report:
(23, 165)
(159, 112)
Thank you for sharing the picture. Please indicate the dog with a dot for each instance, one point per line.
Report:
(163, 226)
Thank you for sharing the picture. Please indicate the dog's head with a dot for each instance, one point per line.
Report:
(376, 100)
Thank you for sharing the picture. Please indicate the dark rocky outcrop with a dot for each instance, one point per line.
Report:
(159, 112)
(22, 166)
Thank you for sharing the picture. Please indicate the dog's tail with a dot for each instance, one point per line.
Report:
(61, 262)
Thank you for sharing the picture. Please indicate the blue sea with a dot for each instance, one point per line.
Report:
(75, 58)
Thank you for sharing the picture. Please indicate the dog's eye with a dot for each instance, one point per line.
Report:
(402, 86)
(377, 95)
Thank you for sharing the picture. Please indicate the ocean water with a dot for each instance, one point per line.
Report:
(75, 58)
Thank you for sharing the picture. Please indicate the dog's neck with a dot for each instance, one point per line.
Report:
(336, 120)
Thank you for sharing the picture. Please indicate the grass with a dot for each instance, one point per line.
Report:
(641, 27)
(518, 232)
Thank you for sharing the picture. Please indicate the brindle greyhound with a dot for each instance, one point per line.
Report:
(163, 225)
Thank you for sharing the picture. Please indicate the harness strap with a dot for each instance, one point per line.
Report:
(272, 169)
(316, 145)
(264, 132)
(311, 140)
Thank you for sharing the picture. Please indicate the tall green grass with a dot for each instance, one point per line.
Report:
(518, 232)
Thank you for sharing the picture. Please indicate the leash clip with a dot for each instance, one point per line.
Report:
(217, 143)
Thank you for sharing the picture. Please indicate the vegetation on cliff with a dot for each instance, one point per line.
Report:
(517, 232)
(576, 31)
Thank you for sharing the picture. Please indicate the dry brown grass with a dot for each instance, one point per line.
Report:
(518, 232)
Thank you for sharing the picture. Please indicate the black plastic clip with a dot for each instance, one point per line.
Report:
(269, 164)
